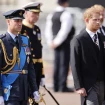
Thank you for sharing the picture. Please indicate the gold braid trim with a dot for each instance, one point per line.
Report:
(9, 62)
(32, 100)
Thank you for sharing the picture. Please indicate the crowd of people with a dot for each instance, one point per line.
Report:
(21, 63)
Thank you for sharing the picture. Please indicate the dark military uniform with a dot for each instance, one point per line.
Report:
(19, 89)
(16, 64)
(34, 35)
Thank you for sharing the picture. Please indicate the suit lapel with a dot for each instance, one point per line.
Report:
(90, 44)
(100, 41)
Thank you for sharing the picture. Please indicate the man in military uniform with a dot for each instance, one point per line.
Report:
(16, 63)
(32, 11)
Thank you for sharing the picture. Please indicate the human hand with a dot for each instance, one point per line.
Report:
(37, 97)
(82, 92)
(1, 100)
(53, 46)
(42, 82)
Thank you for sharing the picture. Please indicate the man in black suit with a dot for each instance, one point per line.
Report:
(87, 61)
(16, 63)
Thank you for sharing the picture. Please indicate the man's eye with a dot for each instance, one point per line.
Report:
(95, 19)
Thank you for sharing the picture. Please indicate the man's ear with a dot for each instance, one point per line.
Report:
(8, 21)
(86, 20)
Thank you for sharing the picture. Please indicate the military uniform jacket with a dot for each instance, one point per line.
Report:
(34, 35)
(19, 89)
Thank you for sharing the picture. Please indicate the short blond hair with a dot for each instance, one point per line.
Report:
(99, 7)
(89, 12)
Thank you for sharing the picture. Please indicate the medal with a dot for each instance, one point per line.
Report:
(24, 45)
(27, 51)
(5, 90)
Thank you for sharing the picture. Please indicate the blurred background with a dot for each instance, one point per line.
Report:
(47, 7)
(76, 8)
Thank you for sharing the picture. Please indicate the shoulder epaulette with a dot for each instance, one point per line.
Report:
(2, 36)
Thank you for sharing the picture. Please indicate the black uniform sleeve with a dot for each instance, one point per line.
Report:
(32, 76)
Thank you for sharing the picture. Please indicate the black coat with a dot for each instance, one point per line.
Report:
(19, 89)
(34, 35)
(86, 61)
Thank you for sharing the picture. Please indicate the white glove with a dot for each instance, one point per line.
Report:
(42, 82)
(36, 96)
(1, 100)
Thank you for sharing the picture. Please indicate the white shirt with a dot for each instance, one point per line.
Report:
(12, 35)
(66, 25)
(91, 34)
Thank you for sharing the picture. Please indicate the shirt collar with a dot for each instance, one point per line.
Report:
(12, 35)
(91, 34)
(60, 8)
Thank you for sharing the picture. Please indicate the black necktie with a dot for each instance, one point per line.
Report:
(96, 39)
(17, 42)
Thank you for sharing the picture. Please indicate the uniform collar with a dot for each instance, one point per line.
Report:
(12, 35)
